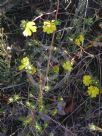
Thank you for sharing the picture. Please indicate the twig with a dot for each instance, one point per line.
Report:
(12, 86)
(43, 15)
(68, 4)
(59, 124)
(33, 82)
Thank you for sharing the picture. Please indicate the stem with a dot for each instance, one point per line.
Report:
(51, 47)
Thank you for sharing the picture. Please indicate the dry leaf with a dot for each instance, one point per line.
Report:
(70, 106)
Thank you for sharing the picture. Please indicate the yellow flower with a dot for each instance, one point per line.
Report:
(87, 80)
(68, 66)
(93, 91)
(29, 28)
(49, 27)
(24, 63)
(79, 39)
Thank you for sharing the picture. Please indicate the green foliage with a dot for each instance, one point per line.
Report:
(38, 127)
(25, 65)
(88, 21)
(79, 40)
(26, 120)
(30, 105)
(14, 98)
(49, 26)
(57, 22)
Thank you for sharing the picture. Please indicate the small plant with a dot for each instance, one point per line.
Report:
(25, 65)
(49, 26)
(79, 39)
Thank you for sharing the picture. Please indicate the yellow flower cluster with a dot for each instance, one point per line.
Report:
(79, 39)
(93, 90)
(87, 80)
(68, 65)
(49, 26)
(25, 64)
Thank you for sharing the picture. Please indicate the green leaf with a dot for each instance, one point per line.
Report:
(27, 32)
(49, 26)
(57, 22)
(23, 24)
(30, 27)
